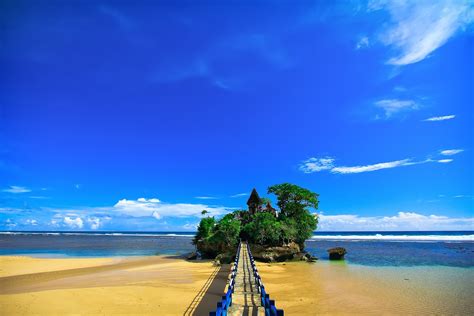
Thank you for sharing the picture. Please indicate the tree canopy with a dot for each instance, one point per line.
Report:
(293, 223)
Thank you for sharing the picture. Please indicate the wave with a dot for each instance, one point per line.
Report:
(389, 237)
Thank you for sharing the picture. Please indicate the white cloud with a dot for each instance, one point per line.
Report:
(445, 160)
(439, 118)
(32, 222)
(317, 164)
(239, 195)
(10, 223)
(94, 222)
(73, 222)
(17, 189)
(463, 196)
(450, 152)
(190, 226)
(153, 200)
(418, 28)
(392, 106)
(206, 197)
(362, 43)
(153, 207)
(401, 221)
(373, 167)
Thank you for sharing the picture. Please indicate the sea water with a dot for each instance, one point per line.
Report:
(439, 248)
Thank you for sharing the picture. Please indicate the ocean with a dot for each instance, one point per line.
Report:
(434, 248)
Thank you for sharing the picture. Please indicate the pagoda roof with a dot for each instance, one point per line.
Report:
(254, 198)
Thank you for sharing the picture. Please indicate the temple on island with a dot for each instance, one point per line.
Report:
(255, 204)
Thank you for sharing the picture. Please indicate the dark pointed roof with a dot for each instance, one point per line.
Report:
(254, 198)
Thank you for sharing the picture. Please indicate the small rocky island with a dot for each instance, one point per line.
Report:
(274, 235)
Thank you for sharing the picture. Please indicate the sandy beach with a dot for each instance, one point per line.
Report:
(102, 286)
(171, 286)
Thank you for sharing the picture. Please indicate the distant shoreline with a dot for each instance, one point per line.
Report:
(462, 236)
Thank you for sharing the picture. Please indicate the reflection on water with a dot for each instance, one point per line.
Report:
(387, 253)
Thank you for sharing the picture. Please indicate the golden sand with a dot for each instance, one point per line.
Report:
(336, 288)
(144, 286)
(169, 286)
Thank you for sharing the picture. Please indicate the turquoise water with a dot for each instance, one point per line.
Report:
(454, 249)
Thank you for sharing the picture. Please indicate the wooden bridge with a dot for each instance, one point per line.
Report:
(245, 294)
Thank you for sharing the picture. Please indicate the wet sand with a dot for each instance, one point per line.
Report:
(171, 286)
(336, 288)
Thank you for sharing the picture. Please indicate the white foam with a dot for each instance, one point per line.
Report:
(389, 237)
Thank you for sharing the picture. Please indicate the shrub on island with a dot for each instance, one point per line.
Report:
(274, 235)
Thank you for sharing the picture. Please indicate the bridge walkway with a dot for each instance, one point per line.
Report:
(246, 298)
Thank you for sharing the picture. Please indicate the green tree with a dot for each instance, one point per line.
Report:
(263, 230)
(264, 201)
(289, 231)
(204, 229)
(204, 212)
(294, 203)
(226, 233)
(292, 198)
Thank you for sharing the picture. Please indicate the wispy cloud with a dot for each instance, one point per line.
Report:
(363, 42)
(439, 118)
(239, 195)
(445, 160)
(373, 167)
(16, 189)
(118, 17)
(450, 152)
(189, 226)
(401, 221)
(206, 197)
(317, 164)
(264, 49)
(156, 208)
(418, 28)
(393, 106)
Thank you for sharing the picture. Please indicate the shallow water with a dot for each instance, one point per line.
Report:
(397, 253)
(341, 288)
(360, 251)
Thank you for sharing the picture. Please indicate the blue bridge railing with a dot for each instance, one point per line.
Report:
(226, 301)
(267, 303)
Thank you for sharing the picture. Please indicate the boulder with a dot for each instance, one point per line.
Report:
(276, 254)
(192, 256)
(310, 258)
(337, 253)
(223, 258)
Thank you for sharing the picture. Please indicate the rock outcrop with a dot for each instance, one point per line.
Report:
(337, 253)
(287, 252)
(224, 258)
(192, 256)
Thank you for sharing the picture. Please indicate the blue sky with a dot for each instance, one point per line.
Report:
(136, 115)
